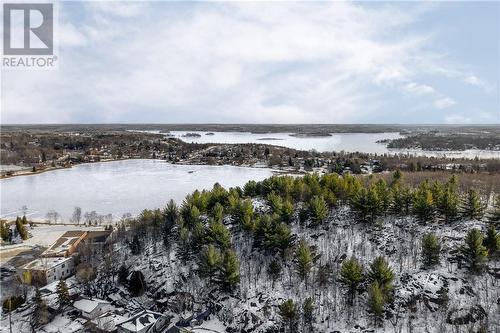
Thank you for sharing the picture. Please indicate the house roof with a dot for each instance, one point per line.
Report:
(141, 320)
(43, 264)
(64, 242)
(88, 305)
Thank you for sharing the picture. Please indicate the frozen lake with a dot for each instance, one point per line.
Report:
(348, 142)
(116, 188)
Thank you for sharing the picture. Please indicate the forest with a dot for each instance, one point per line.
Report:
(309, 254)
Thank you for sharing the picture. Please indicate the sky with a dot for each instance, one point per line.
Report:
(265, 62)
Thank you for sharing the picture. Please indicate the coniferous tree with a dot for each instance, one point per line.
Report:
(288, 312)
(351, 275)
(218, 233)
(230, 271)
(492, 241)
(274, 270)
(4, 231)
(218, 212)
(40, 314)
(472, 207)
(24, 220)
(184, 245)
(307, 313)
(324, 275)
(401, 200)
(494, 215)
(275, 202)
(210, 261)
(21, 229)
(376, 301)
(381, 272)
(397, 178)
(318, 210)
(431, 248)
(63, 298)
(474, 252)
(383, 197)
(423, 203)
(447, 204)
(304, 258)
(287, 210)
(170, 216)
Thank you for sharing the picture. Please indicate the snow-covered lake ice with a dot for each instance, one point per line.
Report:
(116, 188)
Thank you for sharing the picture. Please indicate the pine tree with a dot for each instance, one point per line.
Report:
(170, 216)
(423, 203)
(184, 245)
(40, 314)
(304, 258)
(62, 294)
(381, 272)
(376, 301)
(24, 220)
(324, 275)
(351, 275)
(218, 233)
(230, 271)
(383, 197)
(218, 212)
(21, 229)
(275, 202)
(494, 215)
(472, 207)
(274, 270)
(318, 210)
(397, 178)
(492, 241)
(210, 261)
(431, 248)
(401, 200)
(288, 312)
(287, 210)
(447, 205)
(4, 231)
(307, 312)
(474, 252)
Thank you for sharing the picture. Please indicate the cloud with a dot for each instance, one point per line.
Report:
(444, 103)
(231, 62)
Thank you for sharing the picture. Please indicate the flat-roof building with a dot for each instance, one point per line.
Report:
(46, 270)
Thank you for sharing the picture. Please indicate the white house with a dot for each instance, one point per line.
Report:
(92, 308)
(142, 322)
(47, 270)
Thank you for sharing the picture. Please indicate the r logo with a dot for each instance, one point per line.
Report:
(24, 29)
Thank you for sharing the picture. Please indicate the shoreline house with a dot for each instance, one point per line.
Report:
(46, 270)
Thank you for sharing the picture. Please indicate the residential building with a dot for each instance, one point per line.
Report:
(92, 308)
(145, 321)
(46, 270)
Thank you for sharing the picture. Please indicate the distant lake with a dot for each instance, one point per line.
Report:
(348, 142)
(116, 188)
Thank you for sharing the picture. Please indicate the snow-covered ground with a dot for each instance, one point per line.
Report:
(445, 298)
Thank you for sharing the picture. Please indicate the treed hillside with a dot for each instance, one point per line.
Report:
(313, 254)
